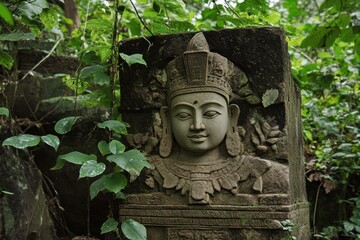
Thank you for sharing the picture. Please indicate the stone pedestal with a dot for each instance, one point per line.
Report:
(255, 204)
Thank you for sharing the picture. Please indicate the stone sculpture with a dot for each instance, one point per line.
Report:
(201, 122)
(219, 117)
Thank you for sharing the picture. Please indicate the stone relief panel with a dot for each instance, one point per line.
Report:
(212, 115)
(196, 133)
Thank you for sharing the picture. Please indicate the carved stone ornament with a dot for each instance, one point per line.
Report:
(204, 124)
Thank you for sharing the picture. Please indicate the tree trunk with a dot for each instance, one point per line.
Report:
(72, 13)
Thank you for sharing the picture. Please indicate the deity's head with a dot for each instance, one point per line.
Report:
(198, 114)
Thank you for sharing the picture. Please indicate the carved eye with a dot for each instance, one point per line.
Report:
(211, 114)
(183, 116)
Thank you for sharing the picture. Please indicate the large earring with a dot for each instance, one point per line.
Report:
(233, 143)
(166, 141)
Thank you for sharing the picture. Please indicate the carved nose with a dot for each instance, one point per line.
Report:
(197, 124)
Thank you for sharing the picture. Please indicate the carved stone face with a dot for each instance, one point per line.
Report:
(199, 120)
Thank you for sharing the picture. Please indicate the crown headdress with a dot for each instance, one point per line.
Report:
(198, 70)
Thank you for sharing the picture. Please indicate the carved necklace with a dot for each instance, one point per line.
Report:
(200, 181)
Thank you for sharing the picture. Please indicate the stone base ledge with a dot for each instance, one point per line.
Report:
(260, 216)
(163, 199)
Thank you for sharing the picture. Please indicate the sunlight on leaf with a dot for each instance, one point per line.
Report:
(109, 225)
(91, 169)
(6, 14)
(17, 36)
(22, 141)
(133, 230)
(33, 8)
(132, 161)
(132, 59)
(64, 125)
(51, 140)
(4, 111)
(114, 125)
(74, 157)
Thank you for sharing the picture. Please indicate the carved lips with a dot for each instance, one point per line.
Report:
(197, 138)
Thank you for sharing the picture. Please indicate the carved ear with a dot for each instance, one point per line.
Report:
(166, 141)
(233, 143)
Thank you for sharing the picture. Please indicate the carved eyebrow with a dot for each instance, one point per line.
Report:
(210, 102)
(181, 104)
(205, 103)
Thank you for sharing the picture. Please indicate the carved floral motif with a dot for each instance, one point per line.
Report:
(265, 135)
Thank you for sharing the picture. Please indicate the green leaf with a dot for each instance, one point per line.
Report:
(101, 78)
(74, 157)
(132, 59)
(133, 230)
(91, 169)
(33, 8)
(345, 147)
(293, 8)
(114, 125)
(6, 60)
(357, 47)
(100, 25)
(343, 20)
(101, 50)
(51, 140)
(273, 17)
(134, 26)
(6, 14)
(22, 141)
(103, 147)
(49, 18)
(132, 161)
(4, 111)
(109, 225)
(175, 6)
(115, 182)
(182, 26)
(253, 6)
(120, 195)
(90, 71)
(348, 226)
(17, 36)
(97, 186)
(64, 125)
(316, 38)
(329, 4)
(116, 147)
(324, 55)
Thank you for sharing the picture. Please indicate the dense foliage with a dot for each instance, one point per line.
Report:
(324, 45)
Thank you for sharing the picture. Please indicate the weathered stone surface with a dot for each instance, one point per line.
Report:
(24, 212)
(42, 99)
(264, 167)
(46, 98)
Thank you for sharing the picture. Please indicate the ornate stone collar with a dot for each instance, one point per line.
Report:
(201, 181)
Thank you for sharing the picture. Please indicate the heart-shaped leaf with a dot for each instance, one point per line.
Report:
(91, 169)
(51, 140)
(22, 141)
(133, 230)
(64, 125)
(132, 161)
(109, 225)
